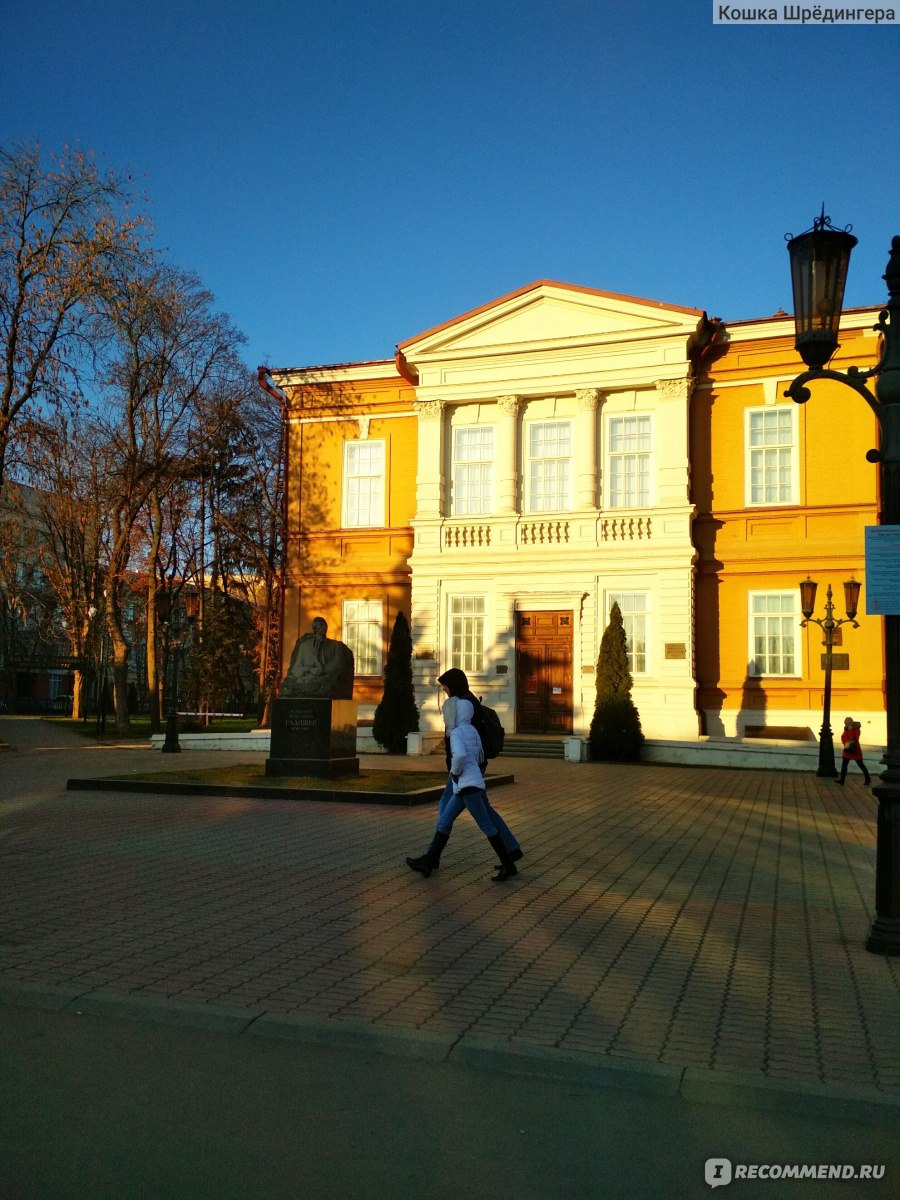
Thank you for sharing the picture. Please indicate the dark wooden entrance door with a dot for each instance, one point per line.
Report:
(544, 672)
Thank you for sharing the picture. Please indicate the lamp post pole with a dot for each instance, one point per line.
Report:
(819, 260)
(828, 625)
(171, 745)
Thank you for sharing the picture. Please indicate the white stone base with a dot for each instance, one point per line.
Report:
(254, 739)
(752, 753)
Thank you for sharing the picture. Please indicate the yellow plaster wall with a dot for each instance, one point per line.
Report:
(326, 563)
(771, 548)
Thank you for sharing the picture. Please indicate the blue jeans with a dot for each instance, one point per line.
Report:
(484, 814)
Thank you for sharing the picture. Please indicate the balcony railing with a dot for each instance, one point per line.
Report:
(509, 532)
(624, 529)
(461, 537)
(533, 533)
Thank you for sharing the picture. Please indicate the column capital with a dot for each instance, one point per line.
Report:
(509, 405)
(428, 410)
(675, 389)
(589, 399)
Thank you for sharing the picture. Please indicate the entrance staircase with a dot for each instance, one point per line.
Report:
(521, 745)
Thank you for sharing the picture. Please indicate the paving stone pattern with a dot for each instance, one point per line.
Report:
(696, 917)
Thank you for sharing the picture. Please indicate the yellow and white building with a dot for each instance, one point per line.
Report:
(512, 472)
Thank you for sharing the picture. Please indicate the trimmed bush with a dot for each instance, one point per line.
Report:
(616, 734)
(397, 714)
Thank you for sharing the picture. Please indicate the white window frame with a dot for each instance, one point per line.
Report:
(358, 515)
(362, 627)
(785, 619)
(464, 500)
(628, 620)
(636, 456)
(529, 428)
(466, 631)
(792, 449)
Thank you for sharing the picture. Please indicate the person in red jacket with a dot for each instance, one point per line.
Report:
(852, 750)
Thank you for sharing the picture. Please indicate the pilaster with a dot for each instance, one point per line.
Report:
(507, 455)
(586, 479)
(430, 474)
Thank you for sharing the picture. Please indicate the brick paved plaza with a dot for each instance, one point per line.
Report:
(701, 918)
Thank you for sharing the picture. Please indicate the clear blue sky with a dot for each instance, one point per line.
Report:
(344, 174)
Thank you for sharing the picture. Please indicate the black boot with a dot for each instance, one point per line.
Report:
(431, 859)
(516, 854)
(507, 866)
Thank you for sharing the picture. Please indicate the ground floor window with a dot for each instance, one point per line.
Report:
(362, 630)
(634, 607)
(774, 621)
(467, 633)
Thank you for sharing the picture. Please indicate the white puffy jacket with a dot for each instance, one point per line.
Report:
(465, 744)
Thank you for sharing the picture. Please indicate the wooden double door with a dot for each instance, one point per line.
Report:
(544, 672)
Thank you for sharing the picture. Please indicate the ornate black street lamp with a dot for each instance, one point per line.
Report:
(819, 260)
(165, 611)
(828, 625)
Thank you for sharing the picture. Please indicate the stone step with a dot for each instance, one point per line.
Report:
(516, 746)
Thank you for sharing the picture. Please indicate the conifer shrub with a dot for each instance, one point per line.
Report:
(616, 734)
(397, 714)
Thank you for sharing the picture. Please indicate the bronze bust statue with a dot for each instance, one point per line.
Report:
(320, 666)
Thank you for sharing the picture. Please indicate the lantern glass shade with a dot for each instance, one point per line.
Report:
(819, 262)
(851, 597)
(808, 597)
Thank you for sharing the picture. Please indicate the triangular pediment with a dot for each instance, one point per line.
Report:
(546, 314)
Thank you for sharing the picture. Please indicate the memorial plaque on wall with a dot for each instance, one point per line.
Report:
(839, 662)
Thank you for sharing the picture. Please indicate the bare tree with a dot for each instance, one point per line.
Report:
(65, 462)
(246, 491)
(167, 348)
(64, 226)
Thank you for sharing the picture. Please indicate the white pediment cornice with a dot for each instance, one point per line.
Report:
(548, 317)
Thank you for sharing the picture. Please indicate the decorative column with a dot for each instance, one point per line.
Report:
(586, 480)
(430, 474)
(671, 436)
(507, 455)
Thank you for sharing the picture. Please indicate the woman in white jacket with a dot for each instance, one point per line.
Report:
(468, 784)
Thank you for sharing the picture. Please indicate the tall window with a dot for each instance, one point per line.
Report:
(550, 466)
(629, 462)
(363, 484)
(467, 633)
(634, 609)
(362, 630)
(473, 470)
(771, 455)
(774, 621)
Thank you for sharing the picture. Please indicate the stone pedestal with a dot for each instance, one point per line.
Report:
(313, 736)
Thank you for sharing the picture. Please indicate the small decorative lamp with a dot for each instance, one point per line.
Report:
(808, 597)
(851, 597)
(819, 261)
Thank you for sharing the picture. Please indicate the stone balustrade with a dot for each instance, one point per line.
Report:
(498, 532)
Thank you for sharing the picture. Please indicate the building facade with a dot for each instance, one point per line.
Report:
(349, 504)
(514, 471)
(782, 491)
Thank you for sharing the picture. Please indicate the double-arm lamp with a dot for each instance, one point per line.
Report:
(819, 261)
(828, 624)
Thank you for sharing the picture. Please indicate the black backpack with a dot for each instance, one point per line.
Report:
(490, 730)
